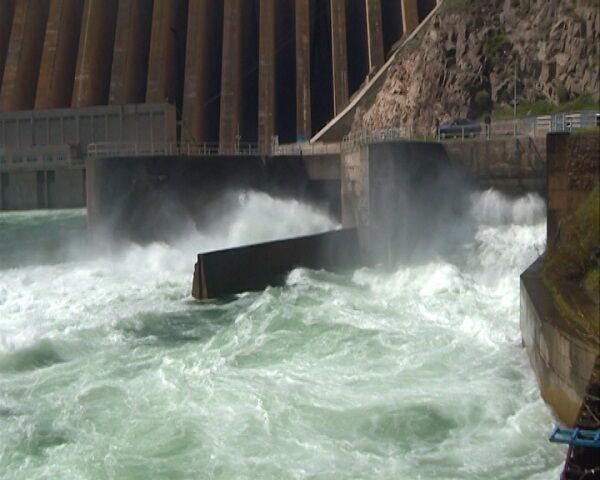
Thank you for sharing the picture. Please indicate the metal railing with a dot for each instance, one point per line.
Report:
(305, 148)
(521, 127)
(132, 149)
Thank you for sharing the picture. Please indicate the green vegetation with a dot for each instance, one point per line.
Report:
(563, 94)
(482, 99)
(544, 107)
(591, 284)
(457, 5)
(497, 43)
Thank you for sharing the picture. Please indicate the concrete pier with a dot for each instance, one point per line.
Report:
(167, 52)
(410, 16)
(303, 110)
(266, 75)
(24, 54)
(94, 58)
(131, 52)
(7, 9)
(203, 54)
(339, 54)
(59, 58)
(374, 34)
(231, 72)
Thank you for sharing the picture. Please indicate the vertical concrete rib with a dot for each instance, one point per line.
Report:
(130, 57)
(94, 56)
(7, 9)
(231, 71)
(410, 16)
(202, 74)
(303, 112)
(374, 34)
(24, 55)
(266, 75)
(59, 58)
(167, 48)
(339, 54)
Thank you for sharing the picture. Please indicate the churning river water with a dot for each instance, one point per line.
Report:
(108, 368)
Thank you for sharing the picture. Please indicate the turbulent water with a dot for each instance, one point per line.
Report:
(109, 370)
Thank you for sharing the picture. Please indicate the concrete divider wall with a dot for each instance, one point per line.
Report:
(254, 267)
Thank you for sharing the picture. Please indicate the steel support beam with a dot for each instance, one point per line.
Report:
(59, 58)
(231, 71)
(374, 34)
(339, 54)
(7, 9)
(24, 55)
(131, 51)
(303, 111)
(410, 16)
(202, 74)
(266, 75)
(167, 40)
(95, 53)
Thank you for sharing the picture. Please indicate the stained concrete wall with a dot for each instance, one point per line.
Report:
(7, 8)
(19, 191)
(154, 198)
(203, 54)
(59, 57)
(573, 171)
(95, 53)
(513, 165)
(387, 191)
(561, 359)
(131, 52)
(19, 82)
(167, 52)
(34, 189)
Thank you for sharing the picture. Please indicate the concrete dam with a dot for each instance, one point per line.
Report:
(233, 68)
(221, 74)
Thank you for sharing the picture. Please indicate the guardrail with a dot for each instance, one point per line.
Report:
(521, 127)
(306, 148)
(132, 149)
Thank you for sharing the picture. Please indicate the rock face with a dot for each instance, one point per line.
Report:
(463, 62)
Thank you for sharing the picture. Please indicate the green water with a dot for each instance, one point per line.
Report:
(109, 370)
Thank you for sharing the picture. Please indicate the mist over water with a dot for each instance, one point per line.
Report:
(108, 369)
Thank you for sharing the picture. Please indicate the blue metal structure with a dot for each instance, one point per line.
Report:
(575, 436)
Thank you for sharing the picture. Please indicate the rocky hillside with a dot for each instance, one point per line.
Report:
(462, 64)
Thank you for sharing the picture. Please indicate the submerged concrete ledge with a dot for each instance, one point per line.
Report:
(254, 267)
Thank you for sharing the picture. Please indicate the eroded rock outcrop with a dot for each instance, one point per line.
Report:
(462, 63)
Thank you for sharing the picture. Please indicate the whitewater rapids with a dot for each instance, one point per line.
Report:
(108, 369)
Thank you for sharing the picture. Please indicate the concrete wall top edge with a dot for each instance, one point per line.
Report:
(95, 110)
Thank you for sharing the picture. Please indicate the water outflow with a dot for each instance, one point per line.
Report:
(109, 370)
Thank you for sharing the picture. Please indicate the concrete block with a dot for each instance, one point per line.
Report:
(254, 267)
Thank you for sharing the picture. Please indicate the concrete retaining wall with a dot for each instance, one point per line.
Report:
(514, 165)
(560, 357)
